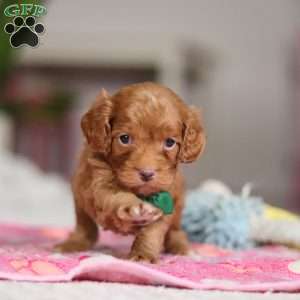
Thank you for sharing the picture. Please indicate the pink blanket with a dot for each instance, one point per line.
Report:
(25, 254)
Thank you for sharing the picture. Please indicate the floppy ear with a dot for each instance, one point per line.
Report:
(194, 139)
(95, 124)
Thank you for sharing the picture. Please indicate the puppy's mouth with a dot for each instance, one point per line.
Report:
(146, 189)
(138, 186)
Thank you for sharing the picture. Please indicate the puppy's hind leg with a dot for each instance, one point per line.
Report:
(176, 242)
(83, 237)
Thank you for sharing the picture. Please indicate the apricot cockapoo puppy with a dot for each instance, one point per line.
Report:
(135, 142)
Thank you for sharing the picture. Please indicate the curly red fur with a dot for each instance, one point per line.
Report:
(107, 182)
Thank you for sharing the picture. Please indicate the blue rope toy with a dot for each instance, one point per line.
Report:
(223, 220)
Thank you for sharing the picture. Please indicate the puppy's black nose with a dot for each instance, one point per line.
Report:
(146, 174)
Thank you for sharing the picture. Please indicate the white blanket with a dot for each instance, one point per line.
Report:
(99, 291)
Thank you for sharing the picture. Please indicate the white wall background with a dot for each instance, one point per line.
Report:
(248, 101)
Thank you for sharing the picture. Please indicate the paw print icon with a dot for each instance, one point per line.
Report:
(24, 31)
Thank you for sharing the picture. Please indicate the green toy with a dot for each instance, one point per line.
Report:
(161, 200)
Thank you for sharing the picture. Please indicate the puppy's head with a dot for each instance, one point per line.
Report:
(144, 131)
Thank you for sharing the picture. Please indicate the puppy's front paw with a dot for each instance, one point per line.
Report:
(140, 214)
(143, 257)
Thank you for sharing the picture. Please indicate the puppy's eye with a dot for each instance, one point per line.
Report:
(169, 143)
(125, 139)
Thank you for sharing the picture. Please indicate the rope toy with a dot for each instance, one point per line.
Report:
(214, 215)
(218, 219)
